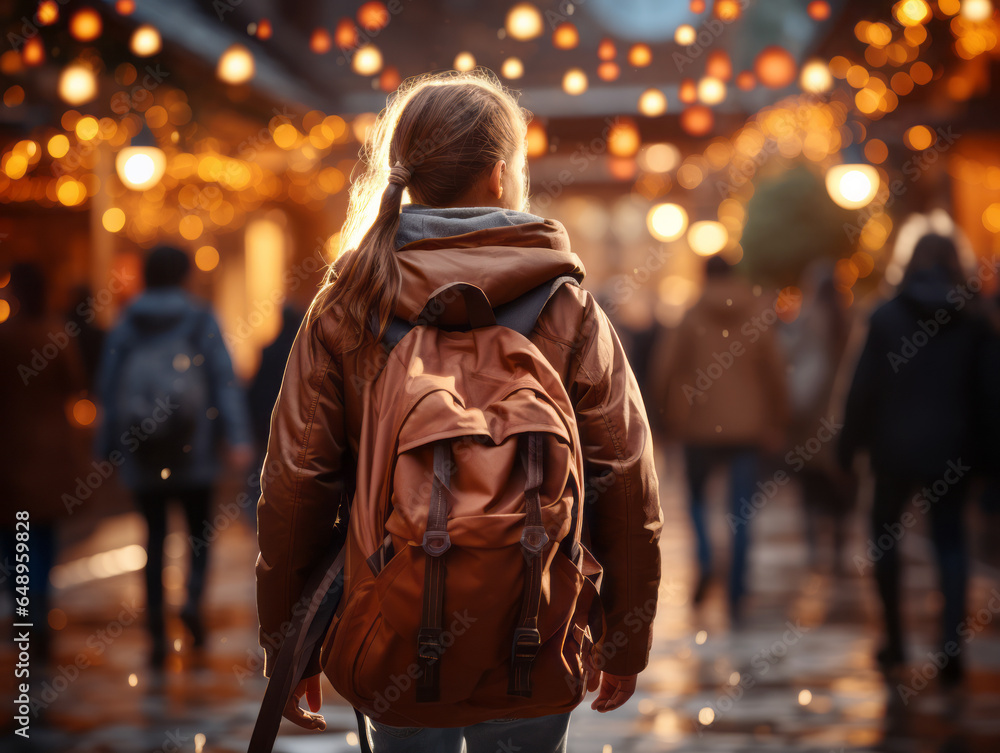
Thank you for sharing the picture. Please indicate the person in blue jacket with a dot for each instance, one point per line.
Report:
(172, 406)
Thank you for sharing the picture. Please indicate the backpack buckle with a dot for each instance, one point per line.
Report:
(436, 543)
(527, 641)
(429, 644)
(534, 539)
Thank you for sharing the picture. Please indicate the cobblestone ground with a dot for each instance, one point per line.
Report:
(797, 676)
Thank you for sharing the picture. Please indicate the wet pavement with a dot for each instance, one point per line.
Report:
(797, 675)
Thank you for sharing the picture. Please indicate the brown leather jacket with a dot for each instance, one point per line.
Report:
(317, 421)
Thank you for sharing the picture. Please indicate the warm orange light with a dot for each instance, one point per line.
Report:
(389, 80)
(77, 84)
(512, 68)
(113, 219)
(816, 77)
(775, 67)
(746, 81)
(608, 71)
(70, 191)
(58, 146)
(707, 237)
(818, 10)
(687, 92)
(125, 7)
(346, 34)
(575, 81)
(524, 22)
(464, 61)
(719, 65)
(13, 96)
(538, 140)
(667, 222)
(697, 120)
(367, 61)
(912, 12)
(839, 66)
(606, 50)
(565, 36)
(206, 258)
(652, 103)
(977, 10)
(264, 29)
(190, 227)
(373, 16)
(697, 6)
(876, 151)
(48, 12)
(639, 55)
(145, 41)
(320, 41)
(852, 186)
(879, 34)
(727, 10)
(84, 412)
(236, 65)
(33, 52)
(685, 35)
(624, 139)
(86, 25)
(901, 83)
(711, 91)
(918, 137)
(991, 218)
(921, 73)
(140, 167)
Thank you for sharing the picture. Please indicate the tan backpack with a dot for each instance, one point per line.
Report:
(468, 595)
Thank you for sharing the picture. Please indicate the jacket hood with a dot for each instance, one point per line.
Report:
(160, 309)
(928, 289)
(728, 300)
(504, 253)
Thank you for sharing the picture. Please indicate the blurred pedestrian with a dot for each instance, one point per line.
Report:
(170, 399)
(466, 255)
(912, 406)
(814, 343)
(41, 451)
(724, 398)
(91, 336)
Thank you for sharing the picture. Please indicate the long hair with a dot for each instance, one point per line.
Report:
(438, 135)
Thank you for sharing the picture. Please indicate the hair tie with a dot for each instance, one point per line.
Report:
(399, 174)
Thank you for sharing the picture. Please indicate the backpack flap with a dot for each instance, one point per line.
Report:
(520, 314)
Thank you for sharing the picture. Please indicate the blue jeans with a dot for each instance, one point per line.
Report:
(742, 467)
(545, 734)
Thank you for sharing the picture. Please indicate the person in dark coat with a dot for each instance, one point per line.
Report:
(815, 343)
(42, 453)
(912, 405)
(165, 324)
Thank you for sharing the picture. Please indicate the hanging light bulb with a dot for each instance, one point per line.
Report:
(145, 41)
(141, 165)
(77, 84)
(236, 65)
(852, 186)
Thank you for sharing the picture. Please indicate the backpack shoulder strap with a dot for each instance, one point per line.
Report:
(522, 313)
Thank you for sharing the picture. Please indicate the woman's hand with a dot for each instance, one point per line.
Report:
(311, 689)
(615, 690)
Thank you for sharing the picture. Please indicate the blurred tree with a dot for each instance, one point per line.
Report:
(790, 222)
